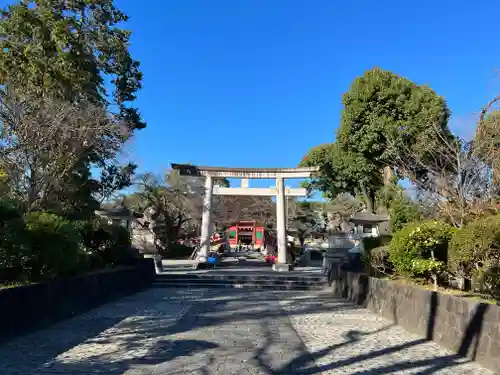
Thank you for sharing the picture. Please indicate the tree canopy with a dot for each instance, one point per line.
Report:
(385, 115)
(387, 121)
(306, 219)
(487, 141)
(74, 55)
(342, 172)
(71, 50)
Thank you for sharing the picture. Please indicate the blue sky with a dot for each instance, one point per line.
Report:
(259, 82)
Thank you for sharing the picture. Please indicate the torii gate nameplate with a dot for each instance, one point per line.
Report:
(263, 192)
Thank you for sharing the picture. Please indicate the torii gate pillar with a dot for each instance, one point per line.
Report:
(247, 173)
(281, 264)
(206, 220)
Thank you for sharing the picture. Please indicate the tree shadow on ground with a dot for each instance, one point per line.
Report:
(171, 346)
(467, 349)
(145, 342)
(305, 364)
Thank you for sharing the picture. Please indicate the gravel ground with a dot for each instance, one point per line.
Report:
(198, 331)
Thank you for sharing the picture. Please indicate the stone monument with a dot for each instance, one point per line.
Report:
(144, 237)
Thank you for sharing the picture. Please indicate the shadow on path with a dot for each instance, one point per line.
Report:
(217, 332)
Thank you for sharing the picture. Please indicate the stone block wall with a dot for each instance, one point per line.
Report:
(467, 327)
(27, 308)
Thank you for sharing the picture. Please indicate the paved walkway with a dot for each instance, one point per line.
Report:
(179, 331)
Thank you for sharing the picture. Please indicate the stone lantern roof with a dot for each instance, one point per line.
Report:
(120, 212)
(368, 218)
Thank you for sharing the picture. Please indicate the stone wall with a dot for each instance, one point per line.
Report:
(467, 327)
(27, 308)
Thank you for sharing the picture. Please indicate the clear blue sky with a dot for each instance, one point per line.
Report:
(259, 82)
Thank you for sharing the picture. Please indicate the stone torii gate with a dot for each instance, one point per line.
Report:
(280, 174)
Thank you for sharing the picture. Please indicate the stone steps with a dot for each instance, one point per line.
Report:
(241, 276)
(271, 281)
(238, 285)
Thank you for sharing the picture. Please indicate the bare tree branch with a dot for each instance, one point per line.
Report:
(43, 142)
(451, 174)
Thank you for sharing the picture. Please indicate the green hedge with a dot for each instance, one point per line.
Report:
(475, 247)
(492, 281)
(370, 243)
(178, 251)
(108, 244)
(9, 211)
(41, 245)
(55, 246)
(403, 211)
(474, 254)
(13, 245)
(375, 255)
(420, 249)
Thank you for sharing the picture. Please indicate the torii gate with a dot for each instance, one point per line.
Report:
(280, 174)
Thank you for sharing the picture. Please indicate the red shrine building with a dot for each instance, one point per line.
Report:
(247, 232)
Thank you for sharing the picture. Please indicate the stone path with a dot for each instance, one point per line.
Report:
(182, 332)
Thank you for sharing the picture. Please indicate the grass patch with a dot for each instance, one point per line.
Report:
(13, 284)
(450, 291)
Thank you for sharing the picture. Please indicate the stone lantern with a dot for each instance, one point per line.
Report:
(142, 236)
(118, 216)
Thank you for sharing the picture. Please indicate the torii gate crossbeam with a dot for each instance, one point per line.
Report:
(280, 191)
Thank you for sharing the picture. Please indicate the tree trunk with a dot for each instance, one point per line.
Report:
(387, 178)
(387, 175)
(368, 198)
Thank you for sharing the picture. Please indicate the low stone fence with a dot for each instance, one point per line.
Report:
(463, 325)
(30, 307)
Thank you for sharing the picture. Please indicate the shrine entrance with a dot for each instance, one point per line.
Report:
(279, 191)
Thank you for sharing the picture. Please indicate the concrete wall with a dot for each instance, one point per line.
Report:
(27, 308)
(467, 327)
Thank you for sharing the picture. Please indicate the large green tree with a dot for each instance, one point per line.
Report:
(387, 117)
(487, 141)
(343, 172)
(72, 51)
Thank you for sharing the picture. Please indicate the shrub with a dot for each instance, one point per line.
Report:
(178, 251)
(378, 263)
(108, 244)
(55, 246)
(9, 211)
(492, 281)
(375, 255)
(403, 211)
(370, 243)
(13, 246)
(420, 249)
(474, 247)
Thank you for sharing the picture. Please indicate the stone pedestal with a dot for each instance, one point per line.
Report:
(203, 266)
(158, 263)
(282, 267)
